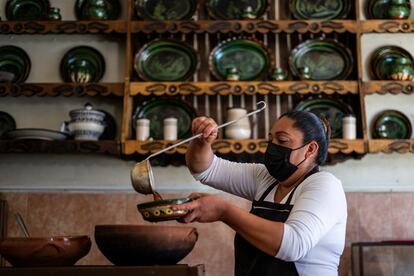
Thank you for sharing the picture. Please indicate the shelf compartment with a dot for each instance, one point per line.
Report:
(388, 87)
(245, 26)
(61, 89)
(63, 27)
(224, 146)
(66, 146)
(390, 146)
(239, 88)
(387, 26)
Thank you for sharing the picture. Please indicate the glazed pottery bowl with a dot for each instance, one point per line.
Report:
(145, 244)
(161, 210)
(44, 251)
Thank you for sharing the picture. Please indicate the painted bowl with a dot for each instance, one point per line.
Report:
(161, 210)
(44, 251)
(145, 244)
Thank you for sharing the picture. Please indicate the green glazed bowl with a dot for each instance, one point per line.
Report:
(381, 9)
(391, 124)
(97, 9)
(161, 210)
(27, 9)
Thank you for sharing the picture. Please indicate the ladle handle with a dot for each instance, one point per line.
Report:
(218, 127)
(22, 225)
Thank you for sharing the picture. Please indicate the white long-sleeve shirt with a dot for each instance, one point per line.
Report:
(314, 233)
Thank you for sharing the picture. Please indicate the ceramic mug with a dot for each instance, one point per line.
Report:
(240, 129)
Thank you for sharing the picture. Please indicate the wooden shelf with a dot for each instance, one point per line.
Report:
(245, 26)
(224, 146)
(61, 89)
(390, 146)
(388, 87)
(237, 88)
(63, 27)
(387, 26)
(66, 146)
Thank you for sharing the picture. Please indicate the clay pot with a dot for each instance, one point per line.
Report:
(145, 244)
(51, 251)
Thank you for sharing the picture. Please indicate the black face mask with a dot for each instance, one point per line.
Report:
(277, 161)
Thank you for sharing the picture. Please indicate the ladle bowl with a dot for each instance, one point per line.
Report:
(142, 177)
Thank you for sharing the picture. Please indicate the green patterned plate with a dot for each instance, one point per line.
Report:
(27, 9)
(159, 109)
(391, 124)
(165, 9)
(379, 9)
(233, 9)
(326, 59)
(14, 64)
(166, 60)
(249, 57)
(97, 9)
(319, 9)
(385, 58)
(332, 109)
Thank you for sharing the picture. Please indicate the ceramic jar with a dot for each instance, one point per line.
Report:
(86, 123)
(142, 129)
(240, 129)
(170, 129)
(349, 127)
(399, 9)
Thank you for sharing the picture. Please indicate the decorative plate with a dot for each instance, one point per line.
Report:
(379, 9)
(391, 124)
(14, 64)
(165, 9)
(248, 56)
(326, 59)
(319, 10)
(233, 9)
(332, 109)
(160, 210)
(36, 133)
(166, 60)
(7, 123)
(82, 64)
(159, 109)
(110, 127)
(97, 9)
(384, 59)
(27, 9)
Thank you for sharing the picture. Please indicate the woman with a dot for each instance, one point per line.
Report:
(297, 222)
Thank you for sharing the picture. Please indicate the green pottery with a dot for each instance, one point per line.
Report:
(319, 9)
(236, 9)
(391, 124)
(97, 9)
(165, 9)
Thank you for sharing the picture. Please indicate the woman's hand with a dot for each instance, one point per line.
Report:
(207, 126)
(204, 208)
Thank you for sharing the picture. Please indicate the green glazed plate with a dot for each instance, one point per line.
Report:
(332, 109)
(165, 9)
(384, 59)
(319, 9)
(14, 64)
(378, 9)
(160, 210)
(82, 60)
(391, 124)
(97, 9)
(327, 59)
(7, 123)
(166, 60)
(250, 57)
(159, 109)
(233, 9)
(27, 9)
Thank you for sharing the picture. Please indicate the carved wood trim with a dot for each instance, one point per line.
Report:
(61, 89)
(391, 87)
(387, 26)
(347, 146)
(238, 88)
(390, 146)
(245, 26)
(62, 27)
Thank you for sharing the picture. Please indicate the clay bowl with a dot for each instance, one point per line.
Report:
(161, 210)
(145, 244)
(50, 251)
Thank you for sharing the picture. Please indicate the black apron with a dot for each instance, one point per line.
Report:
(251, 261)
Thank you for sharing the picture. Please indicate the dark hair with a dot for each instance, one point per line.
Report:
(313, 128)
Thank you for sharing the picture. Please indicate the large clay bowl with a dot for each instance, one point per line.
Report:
(145, 244)
(50, 251)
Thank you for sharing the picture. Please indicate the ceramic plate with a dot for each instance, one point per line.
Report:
(166, 9)
(82, 64)
(7, 123)
(90, 10)
(110, 127)
(327, 59)
(233, 9)
(384, 59)
(160, 210)
(378, 9)
(166, 60)
(159, 109)
(319, 9)
(391, 124)
(14, 64)
(36, 133)
(332, 109)
(27, 9)
(248, 56)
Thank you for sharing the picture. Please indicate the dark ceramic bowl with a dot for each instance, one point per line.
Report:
(145, 244)
(51, 251)
(160, 210)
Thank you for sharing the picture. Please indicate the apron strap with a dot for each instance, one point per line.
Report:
(314, 170)
(268, 190)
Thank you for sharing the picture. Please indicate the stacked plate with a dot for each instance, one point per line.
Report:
(14, 64)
